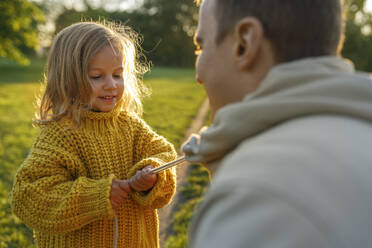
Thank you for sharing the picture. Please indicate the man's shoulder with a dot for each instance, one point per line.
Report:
(305, 132)
(302, 176)
(306, 143)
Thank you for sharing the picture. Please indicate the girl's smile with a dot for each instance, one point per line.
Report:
(108, 99)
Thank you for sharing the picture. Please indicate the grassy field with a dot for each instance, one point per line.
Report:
(191, 194)
(174, 102)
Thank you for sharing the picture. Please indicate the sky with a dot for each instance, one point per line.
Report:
(111, 4)
(369, 5)
(121, 4)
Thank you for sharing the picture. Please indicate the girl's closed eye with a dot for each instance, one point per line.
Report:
(95, 76)
(118, 75)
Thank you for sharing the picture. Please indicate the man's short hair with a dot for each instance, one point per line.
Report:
(295, 28)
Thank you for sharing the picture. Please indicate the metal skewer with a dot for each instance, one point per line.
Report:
(168, 165)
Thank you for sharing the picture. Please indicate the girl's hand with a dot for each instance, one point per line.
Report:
(143, 180)
(119, 191)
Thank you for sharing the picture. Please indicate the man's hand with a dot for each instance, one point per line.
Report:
(143, 180)
(119, 191)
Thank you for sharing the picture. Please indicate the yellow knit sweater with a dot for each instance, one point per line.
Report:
(62, 189)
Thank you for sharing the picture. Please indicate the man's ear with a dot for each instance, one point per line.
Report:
(249, 36)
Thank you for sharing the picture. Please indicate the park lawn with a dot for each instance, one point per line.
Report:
(11, 72)
(191, 194)
(169, 110)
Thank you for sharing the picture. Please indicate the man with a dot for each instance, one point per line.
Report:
(290, 144)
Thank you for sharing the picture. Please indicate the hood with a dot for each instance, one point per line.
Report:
(313, 86)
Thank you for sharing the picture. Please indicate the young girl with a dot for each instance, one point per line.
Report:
(85, 182)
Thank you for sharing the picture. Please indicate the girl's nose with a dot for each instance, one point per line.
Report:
(110, 83)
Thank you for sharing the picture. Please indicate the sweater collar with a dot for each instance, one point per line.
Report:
(102, 116)
(102, 123)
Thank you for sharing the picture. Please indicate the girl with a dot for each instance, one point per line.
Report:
(85, 181)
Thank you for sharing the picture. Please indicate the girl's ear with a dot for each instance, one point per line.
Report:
(249, 37)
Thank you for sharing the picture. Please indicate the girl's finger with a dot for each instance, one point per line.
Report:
(139, 179)
(150, 179)
(114, 204)
(120, 195)
(142, 178)
(147, 169)
(134, 183)
(124, 185)
(123, 195)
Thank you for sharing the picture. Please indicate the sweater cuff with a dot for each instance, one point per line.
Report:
(163, 189)
(95, 201)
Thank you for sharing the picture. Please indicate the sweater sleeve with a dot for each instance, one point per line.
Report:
(152, 149)
(52, 192)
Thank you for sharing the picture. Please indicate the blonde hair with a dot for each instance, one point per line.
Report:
(68, 87)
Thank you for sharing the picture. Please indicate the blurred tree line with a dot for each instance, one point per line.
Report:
(358, 35)
(166, 26)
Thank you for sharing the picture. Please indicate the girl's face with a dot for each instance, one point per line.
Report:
(105, 71)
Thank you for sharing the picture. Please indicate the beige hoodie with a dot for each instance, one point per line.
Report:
(294, 162)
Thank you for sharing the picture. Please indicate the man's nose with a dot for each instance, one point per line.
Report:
(198, 79)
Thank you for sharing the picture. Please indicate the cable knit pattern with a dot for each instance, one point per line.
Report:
(62, 189)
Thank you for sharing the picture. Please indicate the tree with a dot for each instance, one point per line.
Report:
(352, 7)
(18, 28)
(168, 31)
(167, 27)
(358, 35)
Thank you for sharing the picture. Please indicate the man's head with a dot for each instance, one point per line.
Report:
(296, 29)
(241, 40)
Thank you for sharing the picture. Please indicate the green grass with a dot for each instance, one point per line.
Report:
(191, 194)
(10, 72)
(174, 102)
